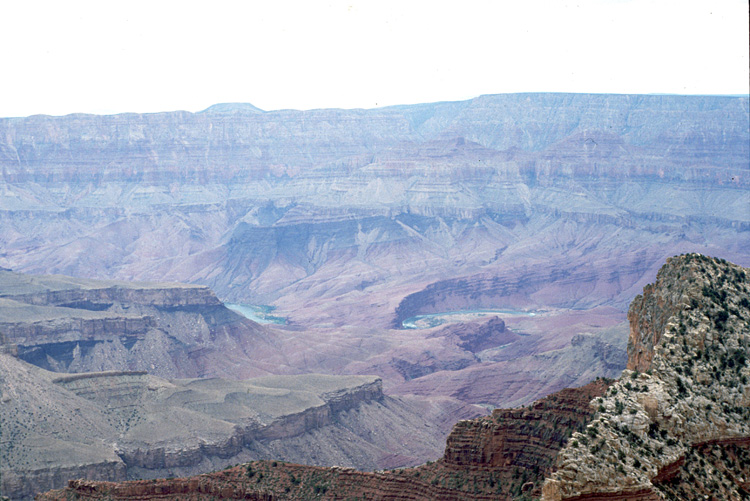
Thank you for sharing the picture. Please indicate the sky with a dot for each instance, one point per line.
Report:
(149, 56)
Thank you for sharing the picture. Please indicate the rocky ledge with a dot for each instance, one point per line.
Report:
(119, 425)
(495, 457)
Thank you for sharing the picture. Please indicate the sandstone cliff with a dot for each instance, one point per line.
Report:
(334, 214)
(497, 457)
(349, 221)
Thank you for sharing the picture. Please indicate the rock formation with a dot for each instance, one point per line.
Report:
(495, 457)
(172, 330)
(119, 425)
(349, 221)
(686, 388)
(340, 217)
(674, 426)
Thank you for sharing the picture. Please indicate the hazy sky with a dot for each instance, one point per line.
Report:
(61, 57)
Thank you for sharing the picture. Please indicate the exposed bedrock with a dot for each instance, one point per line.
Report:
(334, 216)
(185, 455)
(678, 430)
(689, 336)
(67, 324)
(482, 461)
(76, 329)
(212, 145)
(524, 437)
(135, 425)
(178, 296)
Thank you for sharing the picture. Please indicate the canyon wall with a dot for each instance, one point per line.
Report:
(120, 425)
(336, 216)
(173, 330)
(487, 459)
(689, 334)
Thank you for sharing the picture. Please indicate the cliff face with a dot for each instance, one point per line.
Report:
(75, 325)
(349, 221)
(331, 213)
(496, 457)
(302, 415)
(565, 286)
(119, 425)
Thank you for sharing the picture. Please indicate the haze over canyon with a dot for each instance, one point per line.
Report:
(512, 231)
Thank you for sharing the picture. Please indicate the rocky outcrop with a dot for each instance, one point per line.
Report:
(130, 424)
(515, 375)
(527, 438)
(107, 328)
(476, 337)
(648, 316)
(86, 297)
(188, 489)
(689, 333)
(562, 286)
(188, 456)
(24, 484)
(336, 216)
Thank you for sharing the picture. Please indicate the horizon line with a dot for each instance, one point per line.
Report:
(262, 111)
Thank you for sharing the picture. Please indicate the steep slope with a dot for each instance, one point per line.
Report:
(349, 222)
(496, 457)
(678, 430)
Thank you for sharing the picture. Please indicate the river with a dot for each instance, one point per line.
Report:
(257, 313)
(434, 319)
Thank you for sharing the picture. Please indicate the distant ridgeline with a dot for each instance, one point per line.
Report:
(514, 201)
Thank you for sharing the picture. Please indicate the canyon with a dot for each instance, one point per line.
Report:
(129, 425)
(347, 222)
(161, 379)
(677, 430)
(123, 236)
(366, 217)
(66, 324)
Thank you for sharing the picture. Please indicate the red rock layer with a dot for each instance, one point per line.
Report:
(495, 457)
(636, 495)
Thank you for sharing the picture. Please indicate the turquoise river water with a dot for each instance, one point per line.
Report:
(257, 313)
(435, 319)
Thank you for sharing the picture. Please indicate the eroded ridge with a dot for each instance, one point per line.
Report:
(686, 386)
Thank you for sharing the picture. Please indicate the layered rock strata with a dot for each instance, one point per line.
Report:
(678, 430)
(496, 457)
(118, 425)
(67, 324)
(337, 216)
